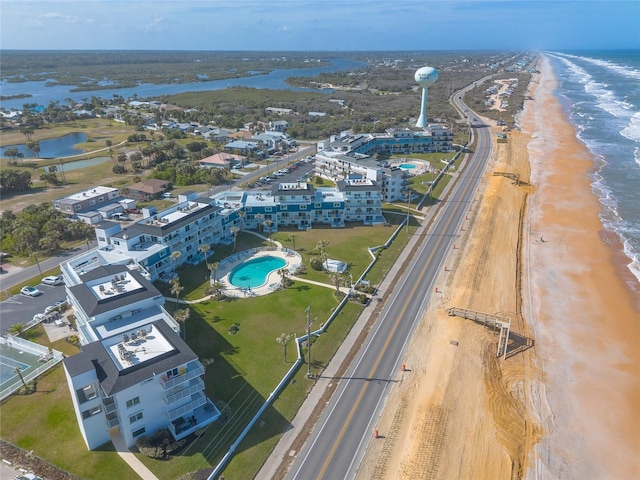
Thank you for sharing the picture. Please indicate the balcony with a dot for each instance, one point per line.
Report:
(190, 422)
(112, 419)
(197, 400)
(195, 385)
(194, 369)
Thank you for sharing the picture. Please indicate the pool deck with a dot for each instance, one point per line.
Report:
(274, 279)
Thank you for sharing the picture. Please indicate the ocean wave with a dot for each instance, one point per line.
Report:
(623, 70)
(605, 97)
(632, 130)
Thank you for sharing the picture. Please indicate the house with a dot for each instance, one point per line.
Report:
(222, 160)
(244, 147)
(86, 200)
(279, 125)
(278, 111)
(148, 189)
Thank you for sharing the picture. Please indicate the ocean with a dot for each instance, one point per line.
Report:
(600, 93)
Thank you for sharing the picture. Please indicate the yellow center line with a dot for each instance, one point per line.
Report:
(386, 344)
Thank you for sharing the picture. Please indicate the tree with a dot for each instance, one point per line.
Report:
(292, 239)
(34, 147)
(213, 268)
(336, 281)
(283, 340)
(234, 231)
(321, 246)
(16, 329)
(175, 256)
(204, 249)
(259, 218)
(283, 273)
(267, 225)
(176, 288)
(218, 288)
(182, 316)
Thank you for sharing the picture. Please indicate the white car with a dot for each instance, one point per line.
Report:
(30, 291)
(39, 317)
(52, 280)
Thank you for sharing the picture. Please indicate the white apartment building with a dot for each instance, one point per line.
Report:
(141, 379)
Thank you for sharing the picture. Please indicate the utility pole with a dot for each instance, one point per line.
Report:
(408, 207)
(309, 322)
(38, 263)
(26, 389)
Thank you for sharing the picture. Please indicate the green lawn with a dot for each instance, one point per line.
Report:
(243, 367)
(46, 423)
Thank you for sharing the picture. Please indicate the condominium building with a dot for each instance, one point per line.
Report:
(136, 381)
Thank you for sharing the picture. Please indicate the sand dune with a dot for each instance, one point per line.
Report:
(564, 403)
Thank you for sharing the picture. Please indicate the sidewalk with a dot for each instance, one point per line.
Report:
(137, 466)
(283, 450)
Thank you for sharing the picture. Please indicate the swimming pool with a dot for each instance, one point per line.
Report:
(407, 165)
(253, 273)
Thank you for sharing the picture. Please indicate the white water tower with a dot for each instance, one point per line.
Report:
(425, 77)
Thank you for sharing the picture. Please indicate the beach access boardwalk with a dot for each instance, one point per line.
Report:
(488, 320)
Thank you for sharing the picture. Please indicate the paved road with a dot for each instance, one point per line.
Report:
(337, 444)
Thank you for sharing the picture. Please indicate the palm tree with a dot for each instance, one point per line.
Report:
(182, 316)
(259, 219)
(213, 267)
(175, 255)
(283, 273)
(204, 249)
(292, 239)
(241, 214)
(234, 231)
(218, 288)
(16, 329)
(336, 281)
(283, 340)
(267, 225)
(321, 246)
(176, 288)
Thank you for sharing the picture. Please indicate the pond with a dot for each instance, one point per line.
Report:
(82, 163)
(53, 147)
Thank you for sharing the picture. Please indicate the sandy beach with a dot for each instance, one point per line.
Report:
(565, 403)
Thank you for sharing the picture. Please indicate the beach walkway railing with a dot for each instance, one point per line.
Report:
(488, 320)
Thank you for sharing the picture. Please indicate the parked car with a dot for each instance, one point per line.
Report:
(167, 195)
(50, 309)
(39, 317)
(52, 280)
(30, 291)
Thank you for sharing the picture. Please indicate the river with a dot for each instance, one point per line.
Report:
(275, 80)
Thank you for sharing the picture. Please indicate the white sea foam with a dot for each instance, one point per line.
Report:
(624, 70)
(605, 97)
(632, 130)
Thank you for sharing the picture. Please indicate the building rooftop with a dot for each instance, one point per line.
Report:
(115, 373)
(108, 287)
(137, 346)
(90, 193)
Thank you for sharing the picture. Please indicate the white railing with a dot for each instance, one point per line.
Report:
(192, 372)
(195, 386)
(199, 399)
(51, 358)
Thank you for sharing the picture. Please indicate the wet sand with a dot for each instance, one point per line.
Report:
(565, 403)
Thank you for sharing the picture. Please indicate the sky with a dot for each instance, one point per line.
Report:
(319, 25)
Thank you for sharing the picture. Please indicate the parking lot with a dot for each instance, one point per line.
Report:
(21, 308)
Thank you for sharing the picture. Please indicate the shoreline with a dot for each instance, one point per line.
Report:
(565, 403)
(583, 308)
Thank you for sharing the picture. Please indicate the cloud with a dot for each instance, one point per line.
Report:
(61, 16)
